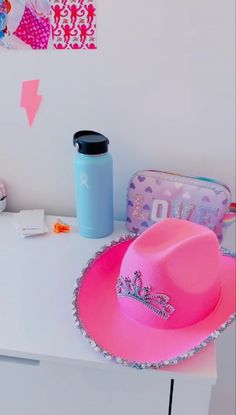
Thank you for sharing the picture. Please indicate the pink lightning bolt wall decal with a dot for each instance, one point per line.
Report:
(30, 100)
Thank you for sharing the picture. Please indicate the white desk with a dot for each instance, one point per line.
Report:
(46, 367)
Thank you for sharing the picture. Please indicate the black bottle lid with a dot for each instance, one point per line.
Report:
(90, 142)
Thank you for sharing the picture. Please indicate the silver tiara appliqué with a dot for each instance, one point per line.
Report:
(133, 288)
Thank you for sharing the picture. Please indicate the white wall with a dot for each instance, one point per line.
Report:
(160, 86)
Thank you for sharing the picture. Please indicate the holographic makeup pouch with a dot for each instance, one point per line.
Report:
(155, 195)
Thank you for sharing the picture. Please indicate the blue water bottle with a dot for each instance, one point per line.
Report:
(94, 184)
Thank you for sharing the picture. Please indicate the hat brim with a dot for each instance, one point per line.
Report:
(124, 340)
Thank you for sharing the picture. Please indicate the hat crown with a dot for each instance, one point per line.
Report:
(172, 270)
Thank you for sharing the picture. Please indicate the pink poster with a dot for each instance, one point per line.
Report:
(47, 24)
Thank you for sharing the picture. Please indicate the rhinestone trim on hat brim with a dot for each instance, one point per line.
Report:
(136, 364)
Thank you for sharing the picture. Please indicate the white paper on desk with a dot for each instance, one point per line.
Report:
(44, 230)
(31, 222)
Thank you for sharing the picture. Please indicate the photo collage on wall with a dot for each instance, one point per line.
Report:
(47, 24)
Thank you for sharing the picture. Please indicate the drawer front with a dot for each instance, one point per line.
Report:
(57, 389)
(44, 388)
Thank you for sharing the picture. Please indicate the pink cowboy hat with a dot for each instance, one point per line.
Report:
(157, 299)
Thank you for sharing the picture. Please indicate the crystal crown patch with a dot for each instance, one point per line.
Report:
(133, 288)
